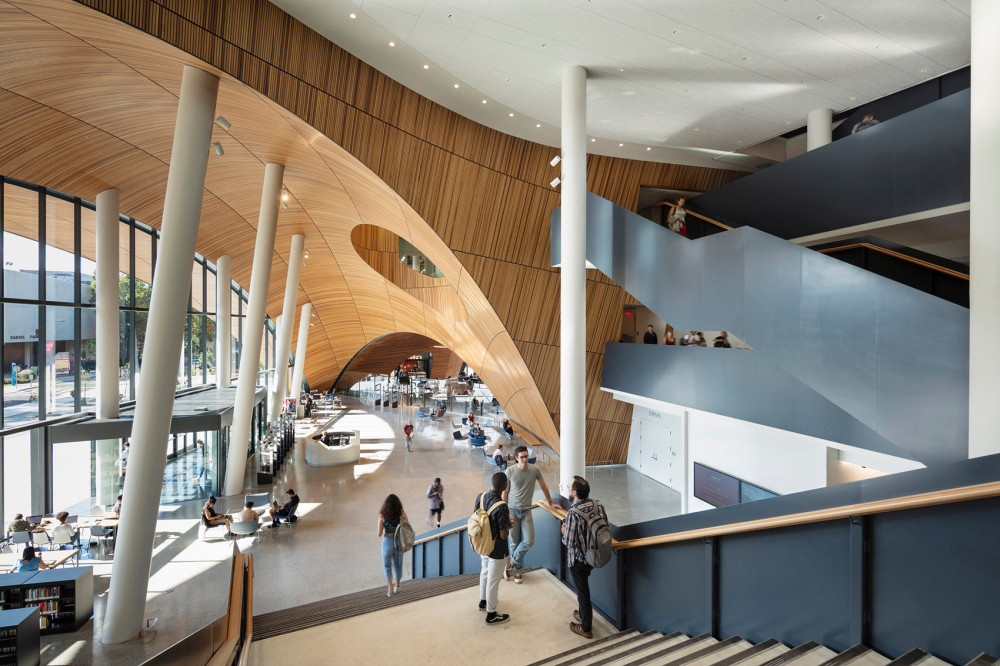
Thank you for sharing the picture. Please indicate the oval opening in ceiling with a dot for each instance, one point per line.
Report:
(409, 268)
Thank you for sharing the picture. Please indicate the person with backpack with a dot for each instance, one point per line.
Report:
(488, 529)
(390, 516)
(587, 537)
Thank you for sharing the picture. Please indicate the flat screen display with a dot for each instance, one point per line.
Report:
(752, 493)
(715, 487)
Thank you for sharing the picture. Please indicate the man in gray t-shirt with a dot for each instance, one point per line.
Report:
(520, 489)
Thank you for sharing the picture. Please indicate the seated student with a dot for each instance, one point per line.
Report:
(247, 514)
(210, 517)
(117, 508)
(475, 431)
(285, 511)
(500, 456)
(29, 561)
(472, 419)
(508, 428)
(19, 524)
(63, 527)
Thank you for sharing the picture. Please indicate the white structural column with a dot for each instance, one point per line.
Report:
(107, 334)
(819, 128)
(300, 350)
(223, 323)
(984, 233)
(253, 328)
(123, 618)
(107, 304)
(283, 340)
(573, 291)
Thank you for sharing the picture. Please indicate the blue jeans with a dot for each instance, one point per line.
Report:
(522, 535)
(391, 558)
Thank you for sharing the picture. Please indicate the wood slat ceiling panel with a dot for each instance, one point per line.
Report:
(466, 181)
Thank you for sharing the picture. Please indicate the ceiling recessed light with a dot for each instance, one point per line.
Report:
(676, 30)
(592, 140)
(620, 69)
(820, 17)
(878, 46)
(739, 141)
(746, 58)
(538, 124)
(648, 148)
(850, 99)
(427, 66)
(511, 115)
(392, 43)
(456, 85)
(620, 145)
(484, 101)
(354, 15)
(697, 129)
(788, 122)
(923, 70)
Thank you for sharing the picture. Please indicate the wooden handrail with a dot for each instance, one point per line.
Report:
(698, 215)
(898, 255)
(963, 494)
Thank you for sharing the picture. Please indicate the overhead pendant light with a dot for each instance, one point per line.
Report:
(218, 148)
(223, 123)
(555, 160)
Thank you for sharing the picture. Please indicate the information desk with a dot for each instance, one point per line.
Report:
(345, 449)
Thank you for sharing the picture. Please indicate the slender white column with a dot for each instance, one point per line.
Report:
(123, 618)
(984, 234)
(819, 128)
(107, 304)
(223, 322)
(283, 340)
(253, 328)
(573, 290)
(300, 350)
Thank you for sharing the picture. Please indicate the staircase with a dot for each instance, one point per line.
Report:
(631, 648)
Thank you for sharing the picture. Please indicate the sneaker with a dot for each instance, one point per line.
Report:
(389, 593)
(496, 618)
(576, 616)
(577, 629)
(517, 576)
(507, 570)
(272, 526)
(482, 605)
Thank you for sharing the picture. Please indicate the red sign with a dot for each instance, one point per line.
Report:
(50, 346)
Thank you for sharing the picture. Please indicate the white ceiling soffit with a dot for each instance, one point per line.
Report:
(683, 81)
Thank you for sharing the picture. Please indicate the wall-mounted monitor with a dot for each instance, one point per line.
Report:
(715, 487)
(751, 493)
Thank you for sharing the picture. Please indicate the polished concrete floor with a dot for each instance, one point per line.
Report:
(334, 547)
(447, 629)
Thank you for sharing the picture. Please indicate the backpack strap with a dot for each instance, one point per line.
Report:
(495, 504)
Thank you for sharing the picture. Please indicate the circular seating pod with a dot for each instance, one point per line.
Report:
(344, 449)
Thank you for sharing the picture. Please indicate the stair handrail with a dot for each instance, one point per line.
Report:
(897, 255)
(919, 500)
(694, 214)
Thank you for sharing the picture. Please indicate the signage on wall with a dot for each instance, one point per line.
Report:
(654, 415)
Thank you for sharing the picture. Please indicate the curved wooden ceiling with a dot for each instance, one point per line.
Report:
(88, 104)
(484, 195)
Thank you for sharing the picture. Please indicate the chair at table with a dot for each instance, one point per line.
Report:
(20, 538)
(60, 539)
(40, 540)
(101, 533)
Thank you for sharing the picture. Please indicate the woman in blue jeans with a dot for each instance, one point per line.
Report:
(388, 520)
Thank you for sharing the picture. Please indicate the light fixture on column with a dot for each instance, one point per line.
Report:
(284, 205)
(555, 160)
(555, 182)
(284, 193)
(223, 123)
(218, 148)
(305, 254)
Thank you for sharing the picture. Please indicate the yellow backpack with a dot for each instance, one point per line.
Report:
(480, 531)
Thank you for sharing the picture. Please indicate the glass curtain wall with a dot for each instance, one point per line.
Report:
(48, 324)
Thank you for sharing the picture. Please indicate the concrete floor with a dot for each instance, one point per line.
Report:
(447, 629)
(334, 547)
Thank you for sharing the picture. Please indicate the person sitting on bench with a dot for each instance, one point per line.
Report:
(500, 456)
(210, 517)
(508, 428)
(287, 512)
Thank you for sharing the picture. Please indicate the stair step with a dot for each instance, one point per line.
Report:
(792, 654)
(859, 655)
(917, 657)
(756, 655)
(984, 659)
(619, 648)
(646, 649)
(587, 647)
(814, 656)
(717, 652)
(670, 654)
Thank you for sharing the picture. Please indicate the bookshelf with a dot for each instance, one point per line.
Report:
(19, 637)
(10, 589)
(64, 598)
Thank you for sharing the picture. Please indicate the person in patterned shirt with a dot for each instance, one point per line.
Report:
(574, 537)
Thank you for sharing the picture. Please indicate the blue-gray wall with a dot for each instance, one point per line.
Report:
(892, 359)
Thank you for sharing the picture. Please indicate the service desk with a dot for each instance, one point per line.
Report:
(319, 454)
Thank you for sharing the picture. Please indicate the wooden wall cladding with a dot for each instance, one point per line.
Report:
(483, 193)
